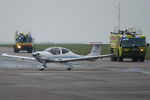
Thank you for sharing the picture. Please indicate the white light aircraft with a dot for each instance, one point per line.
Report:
(61, 55)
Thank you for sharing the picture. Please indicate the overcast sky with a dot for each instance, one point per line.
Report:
(71, 20)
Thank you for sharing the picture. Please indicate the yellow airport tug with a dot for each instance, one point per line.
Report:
(23, 42)
(128, 44)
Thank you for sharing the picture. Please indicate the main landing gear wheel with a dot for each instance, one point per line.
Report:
(69, 66)
(42, 67)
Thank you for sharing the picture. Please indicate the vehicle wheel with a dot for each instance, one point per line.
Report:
(112, 59)
(117, 54)
(135, 59)
(141, 59)
(15, 49)
(120, 59)
(29, 50)
(115, 58)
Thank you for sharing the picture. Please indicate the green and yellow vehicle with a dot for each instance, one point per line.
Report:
(128, 44)
(23, 42)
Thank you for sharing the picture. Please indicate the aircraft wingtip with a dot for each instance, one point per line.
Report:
(4, 54)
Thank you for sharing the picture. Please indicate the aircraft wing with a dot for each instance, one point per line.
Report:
(18, 57)
(61, 60)
(88, 57)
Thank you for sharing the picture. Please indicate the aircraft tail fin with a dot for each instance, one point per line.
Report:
(96, 50)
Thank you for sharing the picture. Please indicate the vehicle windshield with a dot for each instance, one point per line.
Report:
(133, 42)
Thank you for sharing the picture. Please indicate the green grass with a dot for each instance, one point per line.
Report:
(6, 45)
(82, 49)
(147, 56)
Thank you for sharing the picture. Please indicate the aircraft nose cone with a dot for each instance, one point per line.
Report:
(35, 54)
